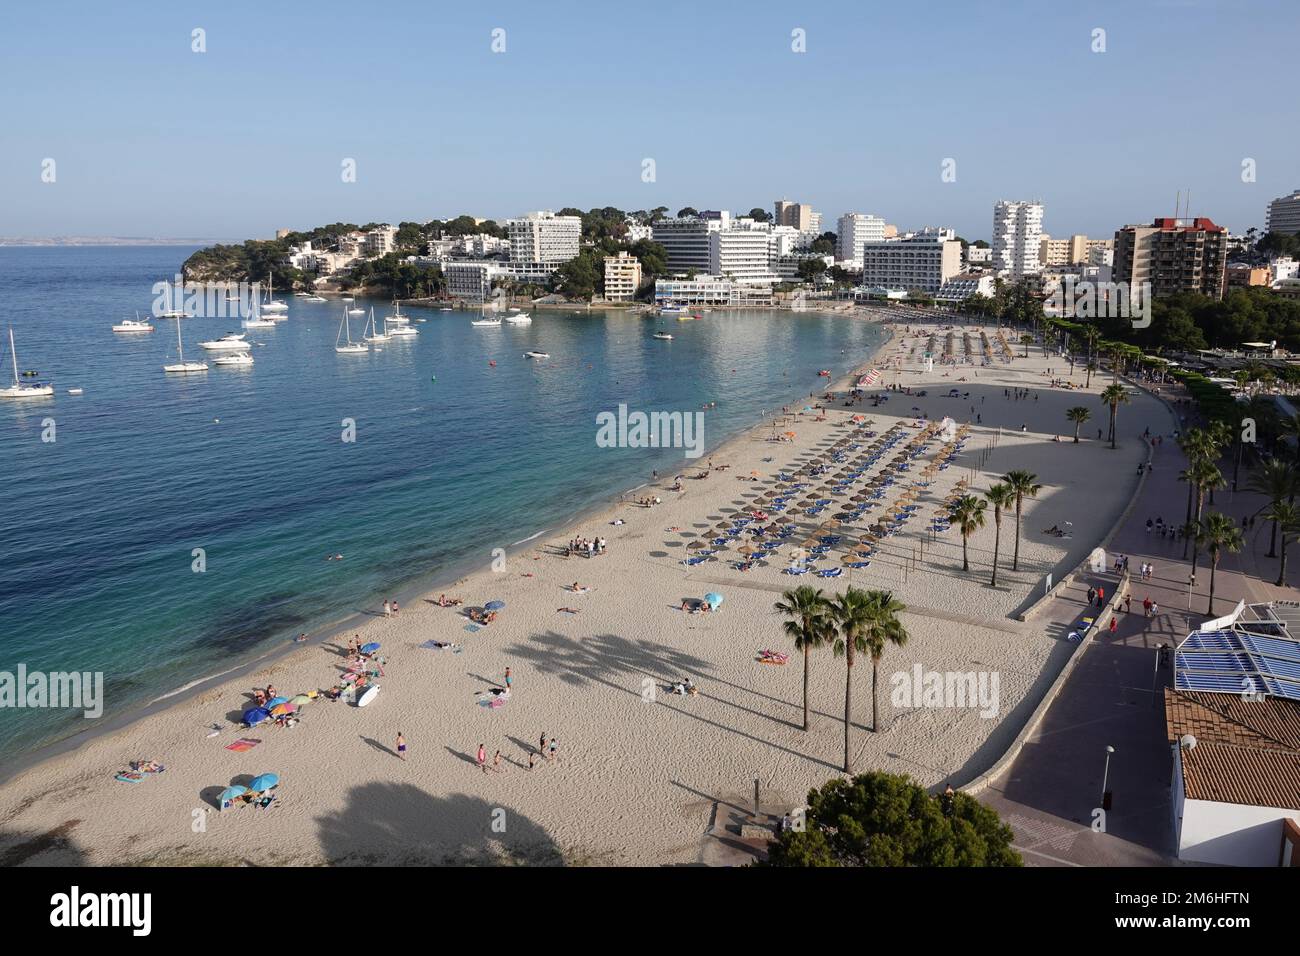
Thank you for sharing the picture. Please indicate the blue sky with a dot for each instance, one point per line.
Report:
(151, 139)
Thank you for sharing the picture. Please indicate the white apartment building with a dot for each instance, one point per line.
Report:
(636, 232)
(964, 285)
(923, 261)
(1283, 268)
(979, 255)
(856, 228)
(1284, 215)
(478, 246)
(471, 280)
(1017, 230)
(741, 253)
(783, 241)
(622, 277)
(544, 237)
(708, 290)
(378, 242)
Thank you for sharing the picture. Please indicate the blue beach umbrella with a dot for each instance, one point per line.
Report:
(713, 599)
(275, 702)
(230, 794)
(494, 605)
(256, 715)
(263, 782)
(370, 648)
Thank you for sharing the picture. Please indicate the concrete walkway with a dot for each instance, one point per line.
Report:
(1114, 697)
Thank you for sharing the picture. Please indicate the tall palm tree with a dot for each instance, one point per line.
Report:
(885, 628)
(853, 615)
(1197, 445)
(967, 512)
(1114, 395)
(1276, 481)
(1026, 341)
(810, 625)
(1091, 367)
(1204, 475)
(1079, 415)
(1001, 497)
(1023, 485)
(1218, 533)
(1287, 520)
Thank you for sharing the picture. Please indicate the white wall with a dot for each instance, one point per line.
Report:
(1231, 834)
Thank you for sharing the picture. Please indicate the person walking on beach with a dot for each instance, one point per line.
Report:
(388, 611)
(496, 762)
(552, 753)
(401, 746)
(481, 758)
(509, 680)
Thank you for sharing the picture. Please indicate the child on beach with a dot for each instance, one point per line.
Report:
(401, 746)
(481, 758)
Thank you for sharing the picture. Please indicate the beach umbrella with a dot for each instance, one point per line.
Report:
(713, 598)
(274, 701)
(300, 700)
(695, 546)
(279, 710)
(370, 648)
(255, 715)
(263, 782)
(231, 794)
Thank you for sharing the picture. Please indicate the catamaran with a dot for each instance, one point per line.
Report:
(352, 348)
(133, 325)
(375, 335)
(183, 366)
(230, 342)
(19, 390)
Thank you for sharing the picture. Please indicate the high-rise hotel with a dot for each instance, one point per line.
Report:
(1017, 235)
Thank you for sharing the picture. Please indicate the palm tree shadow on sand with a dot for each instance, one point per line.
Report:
(400, 824)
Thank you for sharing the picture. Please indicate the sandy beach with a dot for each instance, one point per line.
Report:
(640, 774)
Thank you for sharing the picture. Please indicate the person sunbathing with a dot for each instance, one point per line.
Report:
(578, 589)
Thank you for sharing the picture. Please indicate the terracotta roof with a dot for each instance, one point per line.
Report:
(1246, 752)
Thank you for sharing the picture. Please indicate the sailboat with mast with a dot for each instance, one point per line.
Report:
(183, 366)
(375, 335)
(19, 390)
(351, 348)
(271, 305)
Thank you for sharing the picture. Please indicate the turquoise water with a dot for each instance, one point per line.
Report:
(452, 458)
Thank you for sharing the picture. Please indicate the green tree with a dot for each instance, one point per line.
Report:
(1286, 518)
(1218, 533)
(852, 613)
(810, 625)
(1276, 481)
(1113, 396)
(1079, 415)
(880, 819)
(1024, 485)
(967, 512)
(1204, 475)
(1001, 497)
(884, 629)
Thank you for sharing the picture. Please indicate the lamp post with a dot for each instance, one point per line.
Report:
(1105, 775)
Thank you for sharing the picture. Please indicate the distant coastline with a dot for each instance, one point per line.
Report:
(76, 241)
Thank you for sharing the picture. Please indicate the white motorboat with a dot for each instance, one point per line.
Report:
(661, 335)
(18, 389)
(537, 355)
(484, 323)
(230, 342)
(300, 295)
(522, 318)
(397, 318)
(351, 348)
(134, 325)
(445, 310)
(239, 359)
(76, 391)
(257, 322)
(182, 367)
(375, 335)
(314, 298)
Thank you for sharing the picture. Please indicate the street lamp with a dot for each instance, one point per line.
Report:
(1105, 775)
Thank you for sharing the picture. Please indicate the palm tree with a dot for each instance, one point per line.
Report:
(1001, 497)
(1114, 396)
(852, 614)
(810, 626)
(1198, 445)
(1079, 415)
(1204, 476)
(1218, 533)
(1276, 480)
(1091, 367)
(1026, 341)
(1023, 485)
(885, 628)
(1286, 517)
(967, 512)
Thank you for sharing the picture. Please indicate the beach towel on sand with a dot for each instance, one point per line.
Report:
(441, 646)
(243, 743)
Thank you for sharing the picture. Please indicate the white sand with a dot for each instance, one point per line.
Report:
(638, 780)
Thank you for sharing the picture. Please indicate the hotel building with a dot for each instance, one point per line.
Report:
(622, 277)
(1284, 215)
(1017, 231)
(922, 261)
(855, 229)
(1173, 255)
(544, 237)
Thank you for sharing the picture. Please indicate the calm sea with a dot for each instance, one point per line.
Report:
(453, 457)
